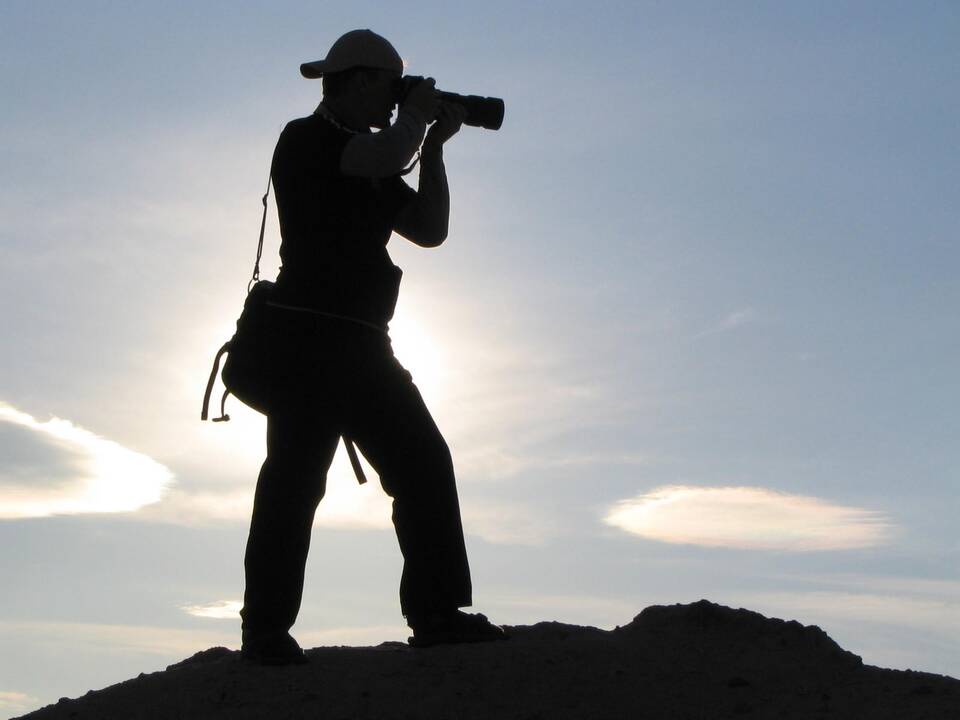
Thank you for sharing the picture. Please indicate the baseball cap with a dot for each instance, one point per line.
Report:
(357, 48)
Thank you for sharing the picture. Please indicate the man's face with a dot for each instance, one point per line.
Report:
(378, 95)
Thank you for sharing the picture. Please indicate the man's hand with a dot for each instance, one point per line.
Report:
(449, 120)
(423, 97)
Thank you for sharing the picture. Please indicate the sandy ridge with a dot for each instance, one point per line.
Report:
(698, 661)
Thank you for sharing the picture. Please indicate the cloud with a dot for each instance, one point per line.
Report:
(57, 468)
(884, 608)
(890, 626)
(731, 321)
(346, 505)
(221, 610)
(596, 610)
(507, 523)
(359, 635)
(16, 702)
(499, 463)
(67, 639)
(748, 518)
(71, 638)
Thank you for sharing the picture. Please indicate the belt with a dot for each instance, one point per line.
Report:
(347, 441)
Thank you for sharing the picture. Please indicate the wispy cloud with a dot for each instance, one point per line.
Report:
(497, 462)
(731, 321)
(882, 620)
(887, 608)
(360, 635)
(345, 505)
(507, 523)
(220, 610)
(66, 638)
(748, 518)
(595, 610)
(70, 470)
(16, 702)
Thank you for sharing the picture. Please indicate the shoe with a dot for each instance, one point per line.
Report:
(455, 627)
(274, 648)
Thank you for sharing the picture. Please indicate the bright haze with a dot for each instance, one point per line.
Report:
(694, 332)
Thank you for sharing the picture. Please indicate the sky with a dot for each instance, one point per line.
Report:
(693, 334)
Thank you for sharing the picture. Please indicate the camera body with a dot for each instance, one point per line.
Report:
(485, 112)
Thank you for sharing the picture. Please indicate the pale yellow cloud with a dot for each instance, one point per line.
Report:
(16, 702)
(354, 635)
(220, 610)
(749, 518)
(101, 477)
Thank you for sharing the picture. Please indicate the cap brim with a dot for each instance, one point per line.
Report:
(312, 70)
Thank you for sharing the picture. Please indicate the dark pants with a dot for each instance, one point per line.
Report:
(344, 380)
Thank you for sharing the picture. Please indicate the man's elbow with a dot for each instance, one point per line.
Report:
(431, 232)
(432, 238)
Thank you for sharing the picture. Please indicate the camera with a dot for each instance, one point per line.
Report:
(485, 112)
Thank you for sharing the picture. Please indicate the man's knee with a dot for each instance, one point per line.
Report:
(296, 478)
(425, 470)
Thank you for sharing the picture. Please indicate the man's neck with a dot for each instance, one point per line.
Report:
(344, 114)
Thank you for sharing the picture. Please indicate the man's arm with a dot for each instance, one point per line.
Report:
(425, 219)
(386, 153)
(382, 154)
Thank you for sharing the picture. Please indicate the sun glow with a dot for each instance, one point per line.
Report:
(419, 353)
(242, 444)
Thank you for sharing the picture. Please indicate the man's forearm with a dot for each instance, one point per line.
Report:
(382, 154)
(433, 194)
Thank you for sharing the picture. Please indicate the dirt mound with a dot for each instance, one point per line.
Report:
(692, 661)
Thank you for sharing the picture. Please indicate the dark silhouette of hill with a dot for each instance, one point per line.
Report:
(697, 661)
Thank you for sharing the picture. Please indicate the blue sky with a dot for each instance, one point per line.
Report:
(693, 334)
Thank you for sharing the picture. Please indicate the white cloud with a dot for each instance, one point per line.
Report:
(748, 518)
(100, 477)
(221, 610)
(16, 702)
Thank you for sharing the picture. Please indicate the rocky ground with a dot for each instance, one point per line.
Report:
(698, 661)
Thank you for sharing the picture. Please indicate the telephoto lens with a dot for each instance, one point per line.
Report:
(485, 112)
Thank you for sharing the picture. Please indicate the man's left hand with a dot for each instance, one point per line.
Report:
(449, 120)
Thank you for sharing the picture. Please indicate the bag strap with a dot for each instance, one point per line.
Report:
(213, 377)
(263, 224)
(254, 279)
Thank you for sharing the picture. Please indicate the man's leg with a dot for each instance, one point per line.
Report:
(395, 431)
(291, 484)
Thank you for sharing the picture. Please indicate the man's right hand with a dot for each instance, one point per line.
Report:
(424, 98)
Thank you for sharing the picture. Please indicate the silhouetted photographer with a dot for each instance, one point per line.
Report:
(340, 195)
